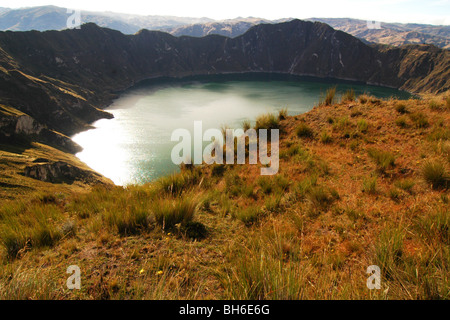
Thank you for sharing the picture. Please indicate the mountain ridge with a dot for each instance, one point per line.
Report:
(43, 18)
(63, 78)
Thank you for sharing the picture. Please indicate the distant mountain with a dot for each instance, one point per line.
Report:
(392, 33)
(229, 28)
(395, 34)
(55, 18)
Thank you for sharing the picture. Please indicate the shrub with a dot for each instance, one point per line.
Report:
(267, 121)
(170, 212)
(383, 159)
(435, 174)
(304, 131)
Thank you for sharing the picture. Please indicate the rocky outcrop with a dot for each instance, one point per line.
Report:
(61, 172)
(16, 126)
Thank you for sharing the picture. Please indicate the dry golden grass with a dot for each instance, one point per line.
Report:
(310, 232)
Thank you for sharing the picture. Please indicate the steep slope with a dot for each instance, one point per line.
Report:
(62, 78)
(349, 194)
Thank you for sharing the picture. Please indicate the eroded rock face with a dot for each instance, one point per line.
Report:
(60, 172)
(27, 125)
(22, 127)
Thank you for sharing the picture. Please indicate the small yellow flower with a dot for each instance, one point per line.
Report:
(159, 273)
(142, 271)
(169, 234)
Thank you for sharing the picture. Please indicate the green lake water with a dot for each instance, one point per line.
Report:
(135, 146)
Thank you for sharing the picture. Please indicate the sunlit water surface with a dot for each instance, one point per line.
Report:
(135, 146)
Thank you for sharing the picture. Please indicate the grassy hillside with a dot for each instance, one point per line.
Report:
(361, 182)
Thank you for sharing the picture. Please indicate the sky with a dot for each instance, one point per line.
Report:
(420, 11)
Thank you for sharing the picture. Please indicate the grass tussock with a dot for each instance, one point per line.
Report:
(400, 107)
(402, 122)
(267, 121)
(369, 185)
(348, 96)
(133, 220)
(304, 131)
(25, 228)
(246, 125)
(326, 137)
(282, 114)
(329, 97)
(249, 215)
(172, 212)
(383, 159)
(419, 119)
(363, 125)
(435, 174)
(226, 232)
(175, 184)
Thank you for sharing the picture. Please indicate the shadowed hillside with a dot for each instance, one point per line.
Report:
(62, 78)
